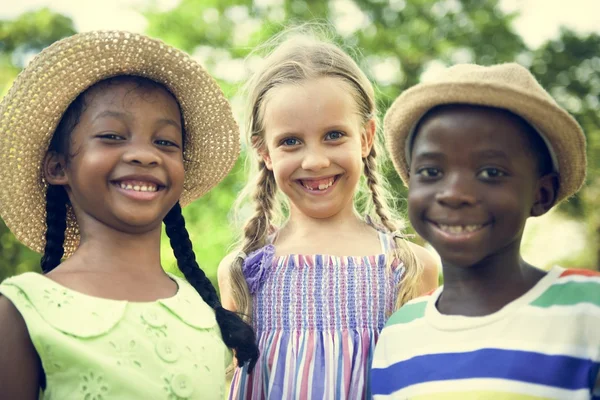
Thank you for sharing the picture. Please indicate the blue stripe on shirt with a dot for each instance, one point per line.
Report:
(551, 370)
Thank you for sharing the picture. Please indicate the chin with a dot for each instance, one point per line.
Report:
(139, 224)
(460, 261)
(320, 213)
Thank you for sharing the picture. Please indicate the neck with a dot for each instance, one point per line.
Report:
(489, 285)
(302, 225)
(109, 251)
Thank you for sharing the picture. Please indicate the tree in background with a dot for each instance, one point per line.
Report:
(396, 41)
(569, 67)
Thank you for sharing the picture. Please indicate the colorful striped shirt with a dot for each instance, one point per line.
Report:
(317, 319)
(543, 345)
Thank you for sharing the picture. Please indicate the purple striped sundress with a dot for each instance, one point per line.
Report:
(317, 319)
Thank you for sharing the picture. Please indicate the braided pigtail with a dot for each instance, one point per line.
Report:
(237, 334)
(256, 232)
(56, 221)
(413, 269)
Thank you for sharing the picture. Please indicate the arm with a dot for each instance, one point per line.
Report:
(430, 277)
(224, 278)
(20, 366)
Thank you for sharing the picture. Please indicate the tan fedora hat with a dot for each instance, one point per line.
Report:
(31, 110)
(508, 86)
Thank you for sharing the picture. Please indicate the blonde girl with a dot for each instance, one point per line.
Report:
(316, 278)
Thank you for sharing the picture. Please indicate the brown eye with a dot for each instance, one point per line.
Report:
(491, 173)
(111, 137)
(166, 143)
(428, 172)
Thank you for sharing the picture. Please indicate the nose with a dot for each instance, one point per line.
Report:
(142, 154)
(458, 191)
(315, 160)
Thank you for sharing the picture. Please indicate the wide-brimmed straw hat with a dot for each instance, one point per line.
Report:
(508, 86)
(33, 107)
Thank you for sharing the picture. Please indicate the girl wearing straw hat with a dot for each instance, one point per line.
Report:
(482, 149)
(104, 136)
(319, 288)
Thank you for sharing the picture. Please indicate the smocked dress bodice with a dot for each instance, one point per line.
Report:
(317, 319)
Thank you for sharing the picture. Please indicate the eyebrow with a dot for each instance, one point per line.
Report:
(125, 117)
(169, 121)
(492, 154)
(111, 114)
(429, 155)
(285, 134)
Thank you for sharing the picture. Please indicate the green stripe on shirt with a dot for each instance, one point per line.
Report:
(408, 313)
(569, 294)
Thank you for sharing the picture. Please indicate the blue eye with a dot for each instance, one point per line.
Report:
(429, 172)
(491, 173)
(289, 142)
(334, 135)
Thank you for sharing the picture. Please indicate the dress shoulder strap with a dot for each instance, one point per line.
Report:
(387, 241)
(386, 238)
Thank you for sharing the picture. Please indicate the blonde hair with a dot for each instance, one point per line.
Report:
(301, 57)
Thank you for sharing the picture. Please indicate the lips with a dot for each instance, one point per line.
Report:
(458, 232)
(319, 184)
(139, 187)
(460, 228)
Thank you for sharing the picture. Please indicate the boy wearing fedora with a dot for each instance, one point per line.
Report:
(481, 150)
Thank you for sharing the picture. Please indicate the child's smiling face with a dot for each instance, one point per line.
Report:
(315, 141)
(125, 167)
(474, 181)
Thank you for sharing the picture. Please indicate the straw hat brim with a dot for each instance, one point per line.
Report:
(33, 107)
(559, 129)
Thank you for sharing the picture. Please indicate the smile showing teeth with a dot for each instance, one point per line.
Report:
(145, 187)
(456, 229)
(318, 184)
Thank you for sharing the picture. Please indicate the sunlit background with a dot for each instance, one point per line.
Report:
(397, 42)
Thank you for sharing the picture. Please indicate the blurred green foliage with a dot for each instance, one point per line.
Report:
(402, 38)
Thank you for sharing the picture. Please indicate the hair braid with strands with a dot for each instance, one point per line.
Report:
(413, 268)
(237, 334)
(56, 222)
(294, 60)
(256, 232)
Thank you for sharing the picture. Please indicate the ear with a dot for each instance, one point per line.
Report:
(545, 196)
(368, 137)
(266, 158)
(263, 152)
(54, 166)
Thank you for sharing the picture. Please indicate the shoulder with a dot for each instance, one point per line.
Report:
(42, 302)
(576, 286)
(19, 363)
(224, 268)
(579, 290)
(224, 280)
(428, 260)
(11, 321)
(430, 277)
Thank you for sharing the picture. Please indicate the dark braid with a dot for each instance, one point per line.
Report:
(237, 334)
(56, 221)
